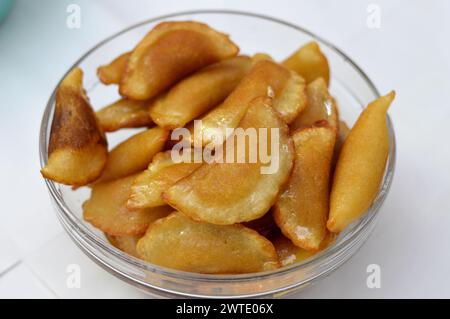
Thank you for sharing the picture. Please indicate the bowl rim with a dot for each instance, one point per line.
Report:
(368, 217)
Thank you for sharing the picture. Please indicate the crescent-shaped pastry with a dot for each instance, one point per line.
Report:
(112, 73)
(199, 93)
(168, 53)
(266, 78)
(239, 191)
(162, 173)
(360, 166)
(106, 209)
(321, 106)
(301, 211)
(123, 113)
(309, 62)
(181, 243)
(134, 154)
(77, 147)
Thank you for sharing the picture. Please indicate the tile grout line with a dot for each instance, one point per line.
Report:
(41, 280)
(10, 267)
(25, 254)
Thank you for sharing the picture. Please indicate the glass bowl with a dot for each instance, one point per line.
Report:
(253, 33)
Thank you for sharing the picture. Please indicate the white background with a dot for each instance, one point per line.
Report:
(409, 53)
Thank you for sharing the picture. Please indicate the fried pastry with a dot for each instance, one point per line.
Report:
(301, 212)
(77, 147)
(124, 113)
(321, 106)
(112, 73)
(199, 93)
(360, 166)
(233, 192)
(106, 209)
(168, 53)
(266, 78)
(309, 62)
(180, 243)
(134, 154)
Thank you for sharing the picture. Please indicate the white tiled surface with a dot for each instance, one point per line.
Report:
(9, 256)
(410, 52)
(57, 262)
(21, 282)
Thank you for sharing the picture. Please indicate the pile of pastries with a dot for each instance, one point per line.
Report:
(215, 216)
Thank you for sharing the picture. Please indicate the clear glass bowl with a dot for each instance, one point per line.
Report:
(253, 33)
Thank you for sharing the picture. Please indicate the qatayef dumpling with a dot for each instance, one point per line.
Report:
(321, 107)
(229, 193)
(134, 154)
(77, 147)
(360, 166)
(199, 92)
(106, 209)
(112, 73)
(123, 113)
(266, 78)
(162, 173)
(181, 243)
(301, 212)
(125, 243)
(289, 254)
(309, 62)
(168, 53)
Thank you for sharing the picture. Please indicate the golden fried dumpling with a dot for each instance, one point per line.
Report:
(360, 166)
(77, 147)
(123, 113)
(149, 185)
(199, 93)
(309, 62)
(168, 53)
(125, 243)
(239, 190)
(266, 78)
(106, 209)
(134, 154)
(289, 254)
(301, 212)
(321, 106)
(112, 73)
(180, 243)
